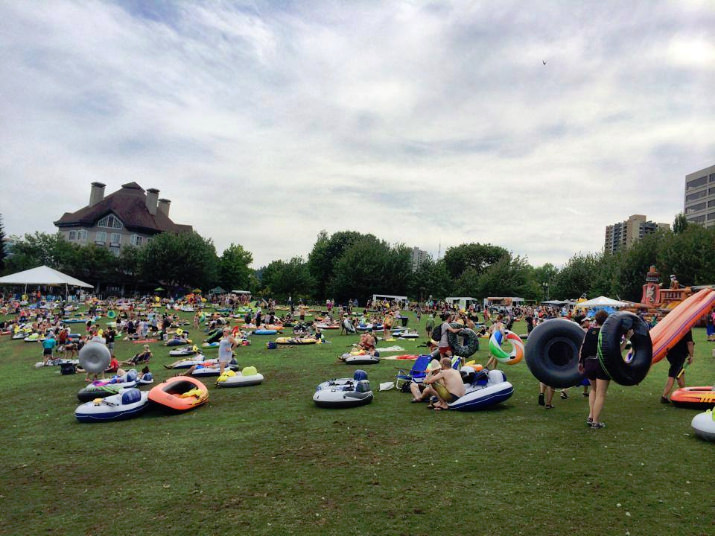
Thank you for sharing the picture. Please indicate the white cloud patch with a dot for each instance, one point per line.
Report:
(423, 124)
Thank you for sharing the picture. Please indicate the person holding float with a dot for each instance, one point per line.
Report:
(590, 365)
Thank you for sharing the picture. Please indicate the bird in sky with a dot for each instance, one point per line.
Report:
(543, 61)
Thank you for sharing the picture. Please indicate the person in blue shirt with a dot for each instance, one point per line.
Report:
(48, 346)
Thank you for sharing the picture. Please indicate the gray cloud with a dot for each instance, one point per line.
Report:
(424, 124)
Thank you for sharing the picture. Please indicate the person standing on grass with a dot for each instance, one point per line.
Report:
(429, 325)
(48, 346)
(683, 349)
(710, 326)
(225, 349)
(589, 364)
(445, 350)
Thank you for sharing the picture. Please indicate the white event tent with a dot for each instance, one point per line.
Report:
(42, 275)
(602, 301)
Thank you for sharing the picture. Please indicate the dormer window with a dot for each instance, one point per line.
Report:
(111, 222)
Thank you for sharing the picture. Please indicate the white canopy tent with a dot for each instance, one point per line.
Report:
(43, 275)
(601, 301)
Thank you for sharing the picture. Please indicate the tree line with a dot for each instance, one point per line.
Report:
(352, 265)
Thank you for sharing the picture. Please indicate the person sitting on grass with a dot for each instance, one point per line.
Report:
(422, 391)
(113, 365)
(367, 342)
(447, 384)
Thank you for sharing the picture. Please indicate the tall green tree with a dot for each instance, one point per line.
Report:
(690, 255)
(576, 277)
(508, 276)
(326, 253)
(680, 224)
(477, 256)
(362, 270)
(180, 260)
(282, 279)
(430, 279)
(234, 271)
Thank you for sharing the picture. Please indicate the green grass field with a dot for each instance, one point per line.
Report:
(265, 460)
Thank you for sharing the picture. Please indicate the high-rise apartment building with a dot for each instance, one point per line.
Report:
(700, 197)
(418, 257)
(622, 235)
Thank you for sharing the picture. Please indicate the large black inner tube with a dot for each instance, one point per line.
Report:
(471, 341)
(552, 352)
(623, 371)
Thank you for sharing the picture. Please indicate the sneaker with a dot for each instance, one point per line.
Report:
(589, 421)
(541, 399)
(596, 425)
(664, 400)
(584, 394)
(564, 395)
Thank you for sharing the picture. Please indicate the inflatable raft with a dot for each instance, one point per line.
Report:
(704, 425)
(125, 405)
(248, 376)
(105, 388)
(198, 359)
(181, 393)
(296, 340)
(177, 342)
(361, 357)
(344, 392)
(365, 359)
(212, 368)
(485, 390)
(186, 350)
(694, 397)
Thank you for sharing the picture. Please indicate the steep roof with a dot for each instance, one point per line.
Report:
(129, 205)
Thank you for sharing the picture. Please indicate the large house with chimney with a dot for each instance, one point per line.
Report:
(129, 216)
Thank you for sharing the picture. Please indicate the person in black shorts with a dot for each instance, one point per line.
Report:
(683, 349)
(589, 365)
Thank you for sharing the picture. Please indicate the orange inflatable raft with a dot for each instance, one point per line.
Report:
(180, 393)
(694, 397)
(671, 329)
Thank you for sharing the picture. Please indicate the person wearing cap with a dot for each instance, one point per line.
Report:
(422, 391)
(447, 385)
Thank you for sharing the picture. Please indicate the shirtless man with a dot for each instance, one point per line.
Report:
(367, 342)
(447, 384)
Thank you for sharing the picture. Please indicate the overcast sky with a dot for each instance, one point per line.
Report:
(424, 123)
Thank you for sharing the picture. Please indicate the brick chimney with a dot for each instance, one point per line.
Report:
(164, 206)
(96, 194)
(152, 197)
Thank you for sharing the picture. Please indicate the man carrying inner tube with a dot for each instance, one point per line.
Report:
(589, 364)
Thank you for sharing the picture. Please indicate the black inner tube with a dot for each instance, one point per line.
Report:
(560, 351)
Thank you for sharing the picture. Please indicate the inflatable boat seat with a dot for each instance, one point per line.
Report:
(130, 396)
